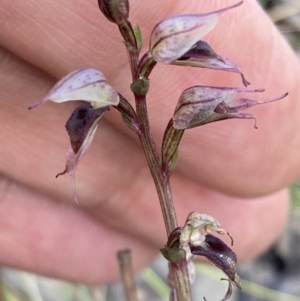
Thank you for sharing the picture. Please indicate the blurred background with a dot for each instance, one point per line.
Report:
(275, 276)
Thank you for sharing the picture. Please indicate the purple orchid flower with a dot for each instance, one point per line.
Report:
(199, 105)
(177, 41)
(82, 85)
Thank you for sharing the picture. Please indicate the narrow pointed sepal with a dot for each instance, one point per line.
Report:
(85, 85)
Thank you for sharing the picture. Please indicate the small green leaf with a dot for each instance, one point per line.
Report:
(139, 36)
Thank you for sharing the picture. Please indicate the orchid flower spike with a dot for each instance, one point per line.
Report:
(199, 105)
(82, 85)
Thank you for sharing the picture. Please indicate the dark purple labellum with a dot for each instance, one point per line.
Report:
(80, 123)
(217, 252)
(200, 50)
(203, 56)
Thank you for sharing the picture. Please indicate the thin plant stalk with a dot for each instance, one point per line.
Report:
(127, 275)
(162, 184)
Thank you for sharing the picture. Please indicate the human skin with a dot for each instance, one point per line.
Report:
(226, 169)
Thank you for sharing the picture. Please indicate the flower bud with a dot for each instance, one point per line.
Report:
(116, 11)
(174, 36)
(199, 105)
(85, 85)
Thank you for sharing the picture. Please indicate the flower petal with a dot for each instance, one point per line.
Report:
(244, 103)
(79, 124)
(219, 254)
(81, 127)
(84, 84)
(197, 104)
(174, 36)
(203, 56)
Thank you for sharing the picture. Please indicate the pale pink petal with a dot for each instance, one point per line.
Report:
(84, 84)
(174, 36)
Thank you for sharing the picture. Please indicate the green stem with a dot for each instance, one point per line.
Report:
(161, 181)
(178, 271)
(180, 276)
(127, 33)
